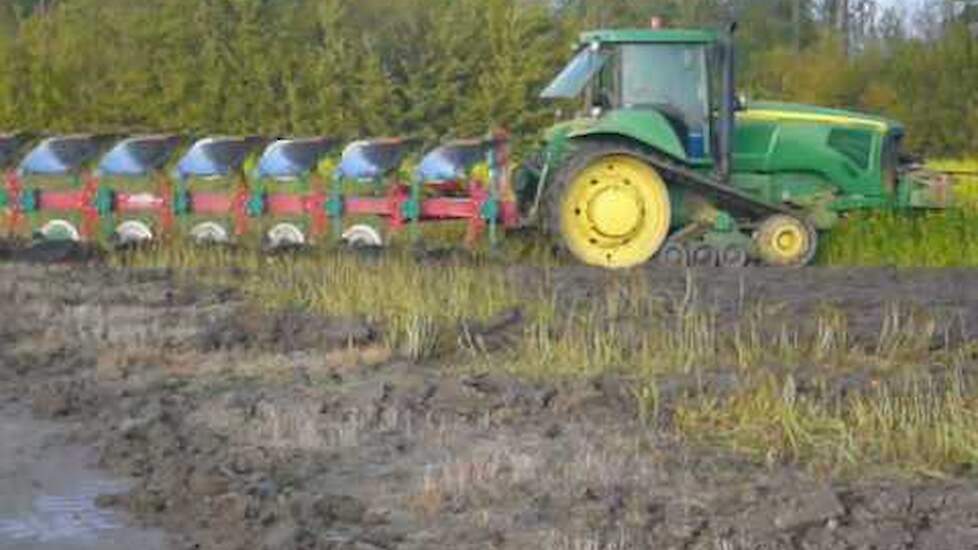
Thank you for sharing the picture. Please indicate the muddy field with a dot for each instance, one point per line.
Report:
(247, 429)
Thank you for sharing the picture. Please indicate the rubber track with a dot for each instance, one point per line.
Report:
(727, 197)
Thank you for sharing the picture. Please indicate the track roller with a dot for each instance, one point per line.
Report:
(673, 254)
(704, 255)
(733, 256)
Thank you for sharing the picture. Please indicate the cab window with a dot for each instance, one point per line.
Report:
(673, 77)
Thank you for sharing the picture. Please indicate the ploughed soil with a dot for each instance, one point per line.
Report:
(245, 429)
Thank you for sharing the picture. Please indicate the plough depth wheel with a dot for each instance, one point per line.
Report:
(611, 208)
(60, 230)
(363, 236)
(209, 233)
(133, 233)
(284, 235)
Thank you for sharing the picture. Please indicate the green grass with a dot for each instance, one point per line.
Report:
(919, 425)
(932, 239)
(905, 239)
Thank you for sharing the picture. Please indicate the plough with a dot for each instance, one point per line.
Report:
(298, 191)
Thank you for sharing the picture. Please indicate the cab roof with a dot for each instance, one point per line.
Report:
(651, 36)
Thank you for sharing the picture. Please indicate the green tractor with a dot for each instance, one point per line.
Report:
(665, 163)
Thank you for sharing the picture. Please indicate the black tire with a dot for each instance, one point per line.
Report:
(587, 152)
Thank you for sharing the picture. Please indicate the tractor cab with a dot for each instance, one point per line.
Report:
(662, 76)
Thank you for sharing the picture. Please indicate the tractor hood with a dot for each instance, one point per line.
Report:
(794, 112)
(812, 147)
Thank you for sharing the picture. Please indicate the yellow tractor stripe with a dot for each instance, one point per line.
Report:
(782, 116)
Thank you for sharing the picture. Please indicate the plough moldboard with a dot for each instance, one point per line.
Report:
(292, 192)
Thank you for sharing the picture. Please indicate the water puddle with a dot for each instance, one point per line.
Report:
(65, 517)
(48, 494)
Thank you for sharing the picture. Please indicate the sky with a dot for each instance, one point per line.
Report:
(907, 3)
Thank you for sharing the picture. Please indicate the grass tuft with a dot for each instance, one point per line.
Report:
(923, 425)
(417, 307)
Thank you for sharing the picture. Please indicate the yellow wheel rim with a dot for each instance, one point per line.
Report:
(616, 213)
(789, 242)
(785, 241)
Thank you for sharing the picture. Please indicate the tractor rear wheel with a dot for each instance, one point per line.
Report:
(786, 241)
(610, 207)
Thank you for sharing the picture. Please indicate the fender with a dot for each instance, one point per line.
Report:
(648, 127)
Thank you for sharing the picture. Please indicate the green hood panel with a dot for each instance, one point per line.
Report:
(648, 127)
(800, 145)
(786, 112)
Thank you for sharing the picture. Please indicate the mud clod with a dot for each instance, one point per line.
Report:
(285, 333)
(817, 508)
(59, 398)
(53, 252)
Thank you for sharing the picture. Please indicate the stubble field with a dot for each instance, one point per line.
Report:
(360, 401)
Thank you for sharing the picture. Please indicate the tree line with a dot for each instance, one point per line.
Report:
(437, 68)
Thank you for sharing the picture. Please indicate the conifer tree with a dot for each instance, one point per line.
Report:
(437, 68)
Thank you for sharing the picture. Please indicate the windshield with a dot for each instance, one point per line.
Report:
(576, 75)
